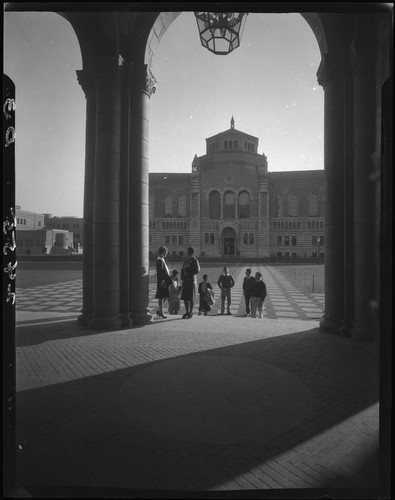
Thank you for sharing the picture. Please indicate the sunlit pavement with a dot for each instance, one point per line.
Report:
(212, 403)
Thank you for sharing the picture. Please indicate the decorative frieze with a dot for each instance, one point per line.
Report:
(140, 76)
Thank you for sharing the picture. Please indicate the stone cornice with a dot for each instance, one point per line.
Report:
(219, 157)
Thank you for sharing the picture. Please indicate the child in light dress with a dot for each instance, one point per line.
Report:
(174, 293)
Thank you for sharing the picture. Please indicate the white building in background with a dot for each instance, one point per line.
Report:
(35, 236)
(27, 220)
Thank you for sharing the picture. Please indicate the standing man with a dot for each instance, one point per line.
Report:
(190, 269)
(248, 284)
(225, 283)
(258, 296)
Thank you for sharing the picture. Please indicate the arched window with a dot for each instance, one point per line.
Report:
(230, 144)
(181, 206)
(229, 205)
(214, 205)
(244, 205)
(278, 206)
(312, 203)
(168, 205)
(293, 205)
(226, 144)
(151, 206)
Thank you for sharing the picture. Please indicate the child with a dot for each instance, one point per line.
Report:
(174, 293)
(205, 295)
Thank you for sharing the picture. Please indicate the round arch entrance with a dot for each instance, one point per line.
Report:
(228, 242)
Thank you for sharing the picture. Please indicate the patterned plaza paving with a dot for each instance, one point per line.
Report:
(284, 300)
(190, 405)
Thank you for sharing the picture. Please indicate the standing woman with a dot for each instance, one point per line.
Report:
(190, 269)
(163, 280)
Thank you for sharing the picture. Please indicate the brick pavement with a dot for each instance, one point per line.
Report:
(208, 404)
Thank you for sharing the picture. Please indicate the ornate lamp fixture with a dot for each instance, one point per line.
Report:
(220, 32)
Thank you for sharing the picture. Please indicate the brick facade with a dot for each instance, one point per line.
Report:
(230, 205)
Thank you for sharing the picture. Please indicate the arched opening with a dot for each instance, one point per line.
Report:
(214, 209)
(50, 150)
(228, 242)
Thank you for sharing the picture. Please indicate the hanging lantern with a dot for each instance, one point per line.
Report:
(220, 32)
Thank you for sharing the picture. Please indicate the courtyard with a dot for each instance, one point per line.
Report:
(213, 404)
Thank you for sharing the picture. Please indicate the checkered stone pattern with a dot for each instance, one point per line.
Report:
(284, 300)
(63, 297)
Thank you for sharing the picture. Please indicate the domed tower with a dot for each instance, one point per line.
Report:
(233, 193)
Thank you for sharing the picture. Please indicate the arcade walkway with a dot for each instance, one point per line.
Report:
(211, 404)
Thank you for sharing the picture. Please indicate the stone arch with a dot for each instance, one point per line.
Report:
(350, 77)
(165, 19)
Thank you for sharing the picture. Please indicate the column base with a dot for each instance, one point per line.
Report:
(362, 331)
(141, 318)
(98, 322)
(330, 325)
(345, 329)
(125, 320)
(84, 319)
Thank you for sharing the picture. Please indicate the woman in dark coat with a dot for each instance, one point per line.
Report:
(163, 280)
(190, 269)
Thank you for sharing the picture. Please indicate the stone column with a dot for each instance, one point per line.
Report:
(330, 77)
(143, 86)
(106, 196)
(87, 83)
(348, 205)
(365, 124)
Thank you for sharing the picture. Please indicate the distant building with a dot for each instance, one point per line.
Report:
(38, 234)
(231, 206)
(27, 220)
(43, 242)
(68, 223)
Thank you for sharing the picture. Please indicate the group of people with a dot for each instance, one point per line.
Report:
(170, 289)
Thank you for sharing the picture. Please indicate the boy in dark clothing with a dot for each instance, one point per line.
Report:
(225, 283)
(248, 284)
(258, 296)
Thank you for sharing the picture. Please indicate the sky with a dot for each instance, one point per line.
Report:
(269, 85)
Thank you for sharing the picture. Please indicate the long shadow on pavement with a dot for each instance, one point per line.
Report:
(81, 434)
